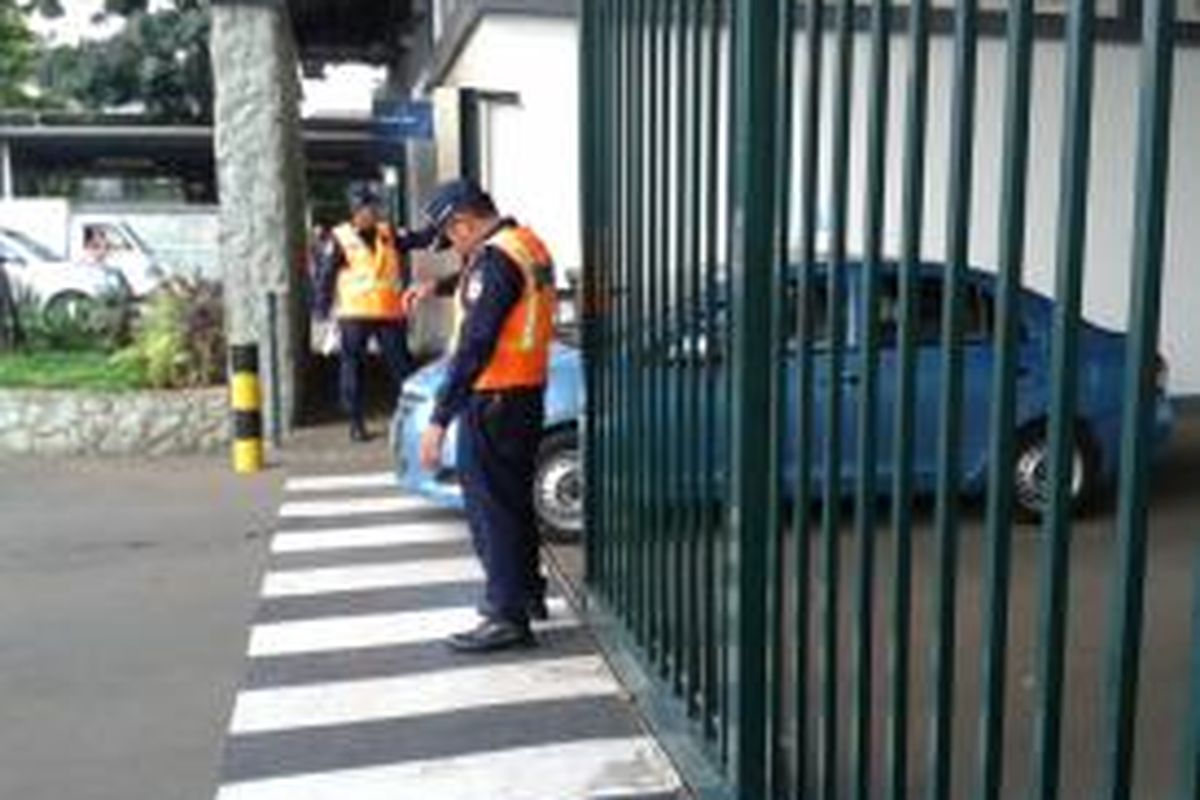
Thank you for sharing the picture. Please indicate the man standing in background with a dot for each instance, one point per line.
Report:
(360, 275)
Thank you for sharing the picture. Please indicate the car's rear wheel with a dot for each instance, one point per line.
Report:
(1031, 483)
(558, 486)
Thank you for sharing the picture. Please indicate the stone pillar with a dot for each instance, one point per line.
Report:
(261, 187)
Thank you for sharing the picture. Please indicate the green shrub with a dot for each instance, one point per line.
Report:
(179, 337)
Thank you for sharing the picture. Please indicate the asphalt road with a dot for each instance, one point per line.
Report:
(125, 592)
(1173, 568)
(126, 589)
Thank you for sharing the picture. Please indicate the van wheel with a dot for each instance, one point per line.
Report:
(558, 487)
(71, 307)
(1031, 487)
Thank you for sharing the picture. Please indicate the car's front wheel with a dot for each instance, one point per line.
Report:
(1031, 480)
(558, 486)
(71, 307)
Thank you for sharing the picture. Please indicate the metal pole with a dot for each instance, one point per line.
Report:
(6, 170)
(272, 300)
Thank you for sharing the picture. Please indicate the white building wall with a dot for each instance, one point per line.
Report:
(531, 150)
(532, 164)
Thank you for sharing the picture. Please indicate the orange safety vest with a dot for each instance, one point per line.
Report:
(521, 357)
(369, 286)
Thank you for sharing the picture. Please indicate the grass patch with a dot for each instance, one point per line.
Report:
(68, 370)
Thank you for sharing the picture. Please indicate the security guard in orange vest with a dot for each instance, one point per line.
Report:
(494, 386)
(361, 273)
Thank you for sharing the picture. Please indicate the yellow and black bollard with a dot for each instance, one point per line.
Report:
(245, 397)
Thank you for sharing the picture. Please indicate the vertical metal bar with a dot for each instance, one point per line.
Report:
(664, 525)
(605, 298)
(831, 504)
(809, 181)
(866, 488)
(1055, 576)
(689, 328)
(723, 312)
(638, 557)
(678, 415)
(1189, 784)
(779, 585)
(958, 216)
(6, 170)
(902, 479)
(1141, 394)
(708, 496)
(752, 513)
(590, 95)
(997, 567)
(623, 358)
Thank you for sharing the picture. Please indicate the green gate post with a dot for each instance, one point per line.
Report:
(1138, 413)
(998, 524)
(753, 510)
(809, 202)
(916, 113)
(866, 485)
(1072, 238)
(958, 216)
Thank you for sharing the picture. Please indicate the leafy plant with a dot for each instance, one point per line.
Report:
(179, 339)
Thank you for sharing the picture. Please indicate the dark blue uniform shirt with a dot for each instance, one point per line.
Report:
(491, 287)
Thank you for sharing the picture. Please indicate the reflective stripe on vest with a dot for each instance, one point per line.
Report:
(369, 286)
(521, 357)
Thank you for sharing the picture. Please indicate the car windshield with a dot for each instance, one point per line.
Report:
(35, 249)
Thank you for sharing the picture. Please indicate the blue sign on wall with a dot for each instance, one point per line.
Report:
(398, 120)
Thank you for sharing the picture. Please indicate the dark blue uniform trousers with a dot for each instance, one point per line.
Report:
(392, 336)
(497, 448)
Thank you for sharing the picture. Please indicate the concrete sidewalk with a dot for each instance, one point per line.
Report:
(350, 691)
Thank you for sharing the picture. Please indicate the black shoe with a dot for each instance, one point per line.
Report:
(358, 433)
(491, 635)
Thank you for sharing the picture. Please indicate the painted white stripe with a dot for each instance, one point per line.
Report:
(563, 771)
(439, 692)
(353, 506)
(367, 537)
(335, 483)
(323, 580)
(377, 630)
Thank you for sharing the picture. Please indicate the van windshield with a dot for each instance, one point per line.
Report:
(34, 248)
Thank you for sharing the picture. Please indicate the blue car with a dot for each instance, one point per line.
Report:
(558, 489)
(558, 481)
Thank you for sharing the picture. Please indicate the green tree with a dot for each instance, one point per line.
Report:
(17, 57)
(157, 63)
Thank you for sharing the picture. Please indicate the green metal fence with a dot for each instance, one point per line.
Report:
(774, 654)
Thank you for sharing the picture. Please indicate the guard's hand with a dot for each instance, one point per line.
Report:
(415, 294)
(431, 447)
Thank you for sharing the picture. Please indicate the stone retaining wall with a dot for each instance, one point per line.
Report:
(149, 423)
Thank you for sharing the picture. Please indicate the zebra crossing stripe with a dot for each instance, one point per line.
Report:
(375, 630)
(336, 483)
(326, 580)
(629, 766)
(353, 506)
(441, 692)
(368, 536)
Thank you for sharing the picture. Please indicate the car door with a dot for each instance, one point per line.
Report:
(929, 374)
(817, 404)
